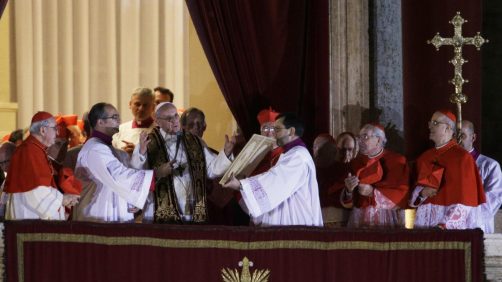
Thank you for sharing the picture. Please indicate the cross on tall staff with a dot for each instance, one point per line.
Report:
(458, 41)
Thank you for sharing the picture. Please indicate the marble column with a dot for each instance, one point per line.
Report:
(388, 69)
(349, 64)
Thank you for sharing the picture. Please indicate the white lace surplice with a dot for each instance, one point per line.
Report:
(385, 213)
(489, 170)
(287, 194)
(109, 183)
(455, 216)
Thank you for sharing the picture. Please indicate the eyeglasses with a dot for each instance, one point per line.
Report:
(55, 127)
(268, 129)
(436, 123)
(169, 118)
(365, 136)
(115, 117)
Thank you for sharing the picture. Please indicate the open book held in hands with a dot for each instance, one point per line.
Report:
(248, 159)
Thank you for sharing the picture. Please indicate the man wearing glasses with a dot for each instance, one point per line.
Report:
(30, 184)
(181, 195)
(288, 193)
(449, 188)
(266, 118)
(113, 188)
(378, 185)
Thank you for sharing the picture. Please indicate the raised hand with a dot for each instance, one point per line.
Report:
(351, 182)
(229, 145)
(129, 147)
(165, 169)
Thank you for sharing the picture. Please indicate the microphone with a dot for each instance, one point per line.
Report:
(180, 168)
(178, 141)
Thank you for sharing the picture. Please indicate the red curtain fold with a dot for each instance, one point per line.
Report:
(268, 53)
(3, 4)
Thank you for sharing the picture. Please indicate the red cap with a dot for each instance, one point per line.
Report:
(70, 119)
(448, 114)
(62, 122)
(40, 116)
(267, 115)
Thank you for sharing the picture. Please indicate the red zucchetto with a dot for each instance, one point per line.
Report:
(40, 116)
(267, 115)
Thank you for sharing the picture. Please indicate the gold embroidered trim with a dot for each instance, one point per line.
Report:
(238, 245)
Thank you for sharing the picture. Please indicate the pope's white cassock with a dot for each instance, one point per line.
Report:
(489, 170)
(287, 194)
(216, 165)
(109, 183)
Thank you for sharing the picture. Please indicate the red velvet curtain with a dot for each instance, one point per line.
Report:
(426, 71)
(268, 53)
(83, 251)
(3, 3)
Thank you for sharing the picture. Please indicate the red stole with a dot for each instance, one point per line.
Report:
(388, 173)
(29, 168)
(460, 182)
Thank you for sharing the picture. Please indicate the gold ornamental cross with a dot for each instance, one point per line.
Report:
(458, 41)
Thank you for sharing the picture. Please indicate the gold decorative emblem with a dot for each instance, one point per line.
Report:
(458, 41)
(233, 275)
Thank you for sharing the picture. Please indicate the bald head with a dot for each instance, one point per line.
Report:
(468, 136)
(468, 125)
(6, 151)
(347, 147)
(320, 141)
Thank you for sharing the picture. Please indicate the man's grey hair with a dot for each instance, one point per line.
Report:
(143, 92)
(162, 107)
(450, 122)
(36, 126)
(377, 132)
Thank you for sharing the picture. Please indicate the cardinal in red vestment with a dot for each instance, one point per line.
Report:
(448, 187)
(30, 184)
(377, 187)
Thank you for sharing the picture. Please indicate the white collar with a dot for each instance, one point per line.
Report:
(169, 138)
